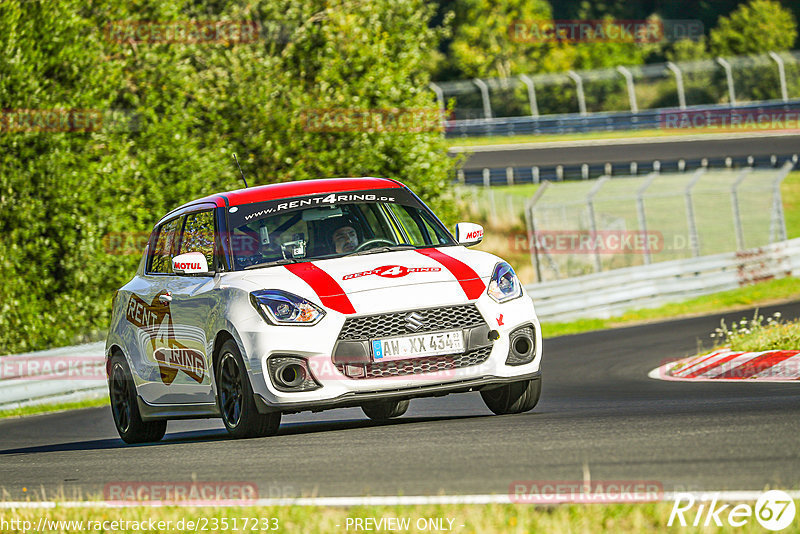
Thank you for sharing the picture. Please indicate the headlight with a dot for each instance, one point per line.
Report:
(279, 307)
(504, 284)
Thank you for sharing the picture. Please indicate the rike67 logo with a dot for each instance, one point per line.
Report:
(774, 510)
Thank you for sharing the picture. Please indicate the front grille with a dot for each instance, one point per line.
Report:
(394, 324)
(431, 364)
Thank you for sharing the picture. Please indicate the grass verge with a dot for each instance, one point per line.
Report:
(761, 294)
(589, 136)
(756, 335)
(57, 407)
(486, 519)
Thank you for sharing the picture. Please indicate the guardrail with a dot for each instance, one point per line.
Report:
(535, 174)
(53, 376)
(650, 119)
(603, 295)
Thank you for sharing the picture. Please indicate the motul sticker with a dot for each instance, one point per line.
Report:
(392, 271)
(475, 234)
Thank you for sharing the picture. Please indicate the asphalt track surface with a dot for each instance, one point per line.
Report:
(598, 410)
(600, 152)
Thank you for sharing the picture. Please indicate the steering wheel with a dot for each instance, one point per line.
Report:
(363, 245)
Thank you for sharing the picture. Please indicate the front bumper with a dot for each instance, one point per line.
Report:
(317, 344)
(351, 399)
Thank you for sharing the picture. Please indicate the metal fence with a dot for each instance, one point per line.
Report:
(577, 228)
(733, 80)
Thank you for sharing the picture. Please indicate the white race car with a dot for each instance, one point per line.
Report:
(314, 295)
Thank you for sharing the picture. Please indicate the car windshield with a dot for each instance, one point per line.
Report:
(264, 235)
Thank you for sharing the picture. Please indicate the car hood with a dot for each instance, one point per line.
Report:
(387, 280)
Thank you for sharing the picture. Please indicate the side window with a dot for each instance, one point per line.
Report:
(198, 235)
(411, 226)
(165, 249)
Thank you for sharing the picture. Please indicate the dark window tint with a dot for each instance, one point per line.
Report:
(165, 247)
(198, 235)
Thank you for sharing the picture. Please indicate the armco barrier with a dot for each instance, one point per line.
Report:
(43, 377)
(609, 293)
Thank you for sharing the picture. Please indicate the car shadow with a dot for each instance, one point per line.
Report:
(212, 435)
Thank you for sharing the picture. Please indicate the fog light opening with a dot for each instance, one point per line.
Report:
(290, 375)
(522, 345)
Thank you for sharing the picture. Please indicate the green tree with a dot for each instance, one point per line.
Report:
(757, 27)
(494, 38)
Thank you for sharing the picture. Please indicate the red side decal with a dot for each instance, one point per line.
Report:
(326, 288)
(470, 282)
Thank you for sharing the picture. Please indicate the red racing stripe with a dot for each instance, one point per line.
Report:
(326, 288)
(758, 364)
(470, 282)
(721, 361)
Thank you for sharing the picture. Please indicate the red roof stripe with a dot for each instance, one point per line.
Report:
(326, 288)
(470, 282)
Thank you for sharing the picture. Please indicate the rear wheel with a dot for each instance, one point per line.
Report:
(235, 398)
(383, 410)
(124, 408)
(517, 397)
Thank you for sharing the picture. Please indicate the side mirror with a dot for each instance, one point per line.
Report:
(469, 234)
(190, 263)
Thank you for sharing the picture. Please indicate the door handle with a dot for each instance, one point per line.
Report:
(165, 298)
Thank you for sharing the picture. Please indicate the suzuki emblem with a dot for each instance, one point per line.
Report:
(414, 321)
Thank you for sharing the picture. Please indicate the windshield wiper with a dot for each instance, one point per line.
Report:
(400, 246)
(283, 261)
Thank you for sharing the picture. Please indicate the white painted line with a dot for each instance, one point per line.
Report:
(705, 495)
(620, 141)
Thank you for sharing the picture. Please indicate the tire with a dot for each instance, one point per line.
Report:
(124, 408)
(235, 398)
(517, 397)
(384, 410)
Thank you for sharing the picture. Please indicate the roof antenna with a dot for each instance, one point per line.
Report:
(240, 169)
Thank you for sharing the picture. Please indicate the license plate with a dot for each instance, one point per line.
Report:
(417, 346)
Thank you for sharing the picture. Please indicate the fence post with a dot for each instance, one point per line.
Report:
(530, 217)
(531, 94)
(729, 76)
(631, 90)
(487, 177)
(487, 105)
(641, 214)
(781, 74)
(777, 221)
(737, 217)
(579, 88)
(443, 109)
(592, 221)
(694, 237)
(510, 175)
(678, 83)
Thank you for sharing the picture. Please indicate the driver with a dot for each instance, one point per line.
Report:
(344, 237)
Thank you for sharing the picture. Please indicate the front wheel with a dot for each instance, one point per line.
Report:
(517, 397)
(235, 398)
(124, 408)
(384, 410)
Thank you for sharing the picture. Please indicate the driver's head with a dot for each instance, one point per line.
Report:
(345, 239)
